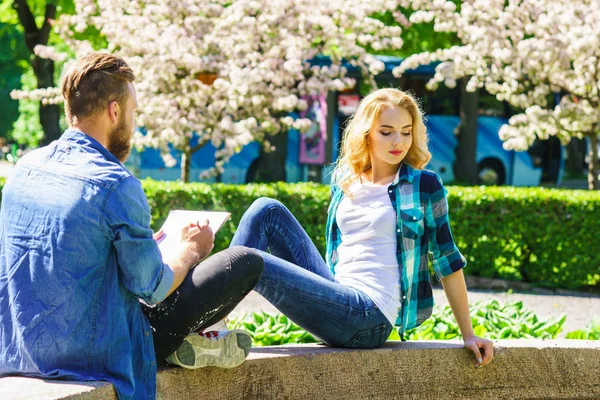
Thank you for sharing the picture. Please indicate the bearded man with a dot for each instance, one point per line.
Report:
(85, 293)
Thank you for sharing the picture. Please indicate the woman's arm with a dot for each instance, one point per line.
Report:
(456, 291)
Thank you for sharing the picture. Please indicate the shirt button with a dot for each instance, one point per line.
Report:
(152, 362)
(147, 333)
(414, 218)
(389, 191)
(404, 297)
(398, 230)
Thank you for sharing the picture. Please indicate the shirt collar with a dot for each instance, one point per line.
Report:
(80, 138)
(405, 172)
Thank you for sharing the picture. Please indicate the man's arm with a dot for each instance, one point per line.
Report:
(197, 241)
(127, 224)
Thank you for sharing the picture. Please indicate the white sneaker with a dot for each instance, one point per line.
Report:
(224, 349)
(219, 326)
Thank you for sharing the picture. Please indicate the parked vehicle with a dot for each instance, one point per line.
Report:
(543, 162)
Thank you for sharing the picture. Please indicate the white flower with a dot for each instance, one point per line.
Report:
(227, 71)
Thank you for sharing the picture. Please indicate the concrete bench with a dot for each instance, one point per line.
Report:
(522, 369)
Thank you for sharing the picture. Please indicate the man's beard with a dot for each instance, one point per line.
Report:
(119, 140)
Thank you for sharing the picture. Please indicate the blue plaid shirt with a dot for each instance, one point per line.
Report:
(419, 200)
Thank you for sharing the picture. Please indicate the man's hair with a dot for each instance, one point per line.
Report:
(92, 82)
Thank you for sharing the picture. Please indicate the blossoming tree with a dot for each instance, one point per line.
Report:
(541, 56)
(229, 72)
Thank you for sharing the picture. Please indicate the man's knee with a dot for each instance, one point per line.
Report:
(246, 260)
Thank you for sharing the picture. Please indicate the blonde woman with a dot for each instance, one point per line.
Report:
(386, 215)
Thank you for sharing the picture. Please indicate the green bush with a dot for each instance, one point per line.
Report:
(271, 330)
(590, 332)
(307, 201)
(535, 235)
(491, 320)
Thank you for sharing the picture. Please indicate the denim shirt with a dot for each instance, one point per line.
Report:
(423, 232)
(76, 256)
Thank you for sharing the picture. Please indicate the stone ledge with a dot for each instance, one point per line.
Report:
(17, 388)
(522, 369)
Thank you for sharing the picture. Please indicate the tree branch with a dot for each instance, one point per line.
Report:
(47, 26)
(28, 21)
(198, 146)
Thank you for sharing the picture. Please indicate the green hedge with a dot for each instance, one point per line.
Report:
(307, 201)
(543, 236)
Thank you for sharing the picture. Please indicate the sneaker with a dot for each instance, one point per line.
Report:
(219, 326)
(224, 349)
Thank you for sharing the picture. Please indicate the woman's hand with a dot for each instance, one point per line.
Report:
(482, 348)
(456, 292)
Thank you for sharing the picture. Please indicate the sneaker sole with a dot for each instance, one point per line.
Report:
(228, 351)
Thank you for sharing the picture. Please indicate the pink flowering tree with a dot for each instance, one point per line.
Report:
(541, 56)
(227, 72)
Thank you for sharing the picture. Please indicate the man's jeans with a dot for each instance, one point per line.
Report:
(297, 281)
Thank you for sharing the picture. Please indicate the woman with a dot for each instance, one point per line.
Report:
(386, 215)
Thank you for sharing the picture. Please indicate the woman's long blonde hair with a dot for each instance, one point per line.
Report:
(354, 158)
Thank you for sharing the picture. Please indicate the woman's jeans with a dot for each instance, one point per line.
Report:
(297, 281)
(208, 294)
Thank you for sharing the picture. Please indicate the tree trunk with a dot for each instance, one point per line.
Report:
(576, 156)
(270, 166)
(49, 113)
(593, 165)
(43, 68)
(315, 173)
(186, 162)
(465, 164)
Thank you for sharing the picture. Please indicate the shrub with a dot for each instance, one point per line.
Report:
(490, 319)
(590, 332)
(271, 330)
(307, 201)
(536, 235)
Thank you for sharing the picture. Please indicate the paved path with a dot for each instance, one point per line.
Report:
(5, 168)
(580, 310)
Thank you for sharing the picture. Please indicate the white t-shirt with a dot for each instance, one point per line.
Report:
(367, 253)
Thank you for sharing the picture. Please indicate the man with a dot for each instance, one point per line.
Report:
(77, 256)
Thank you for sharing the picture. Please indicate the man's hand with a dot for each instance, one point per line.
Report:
(199, 239)
(196, 242)
(478, 346)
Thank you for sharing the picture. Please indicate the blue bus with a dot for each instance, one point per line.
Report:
(543, 162)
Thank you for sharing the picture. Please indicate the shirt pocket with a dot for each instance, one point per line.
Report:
(413, 222)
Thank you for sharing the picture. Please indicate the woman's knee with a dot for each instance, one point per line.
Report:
(264, 204)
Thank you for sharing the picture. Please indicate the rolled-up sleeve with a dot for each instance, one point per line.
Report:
(141, 268)
(444, 253)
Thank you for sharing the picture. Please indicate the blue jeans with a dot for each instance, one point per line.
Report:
(297, 281)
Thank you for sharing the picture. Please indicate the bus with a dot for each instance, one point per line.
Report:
(318, 149)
